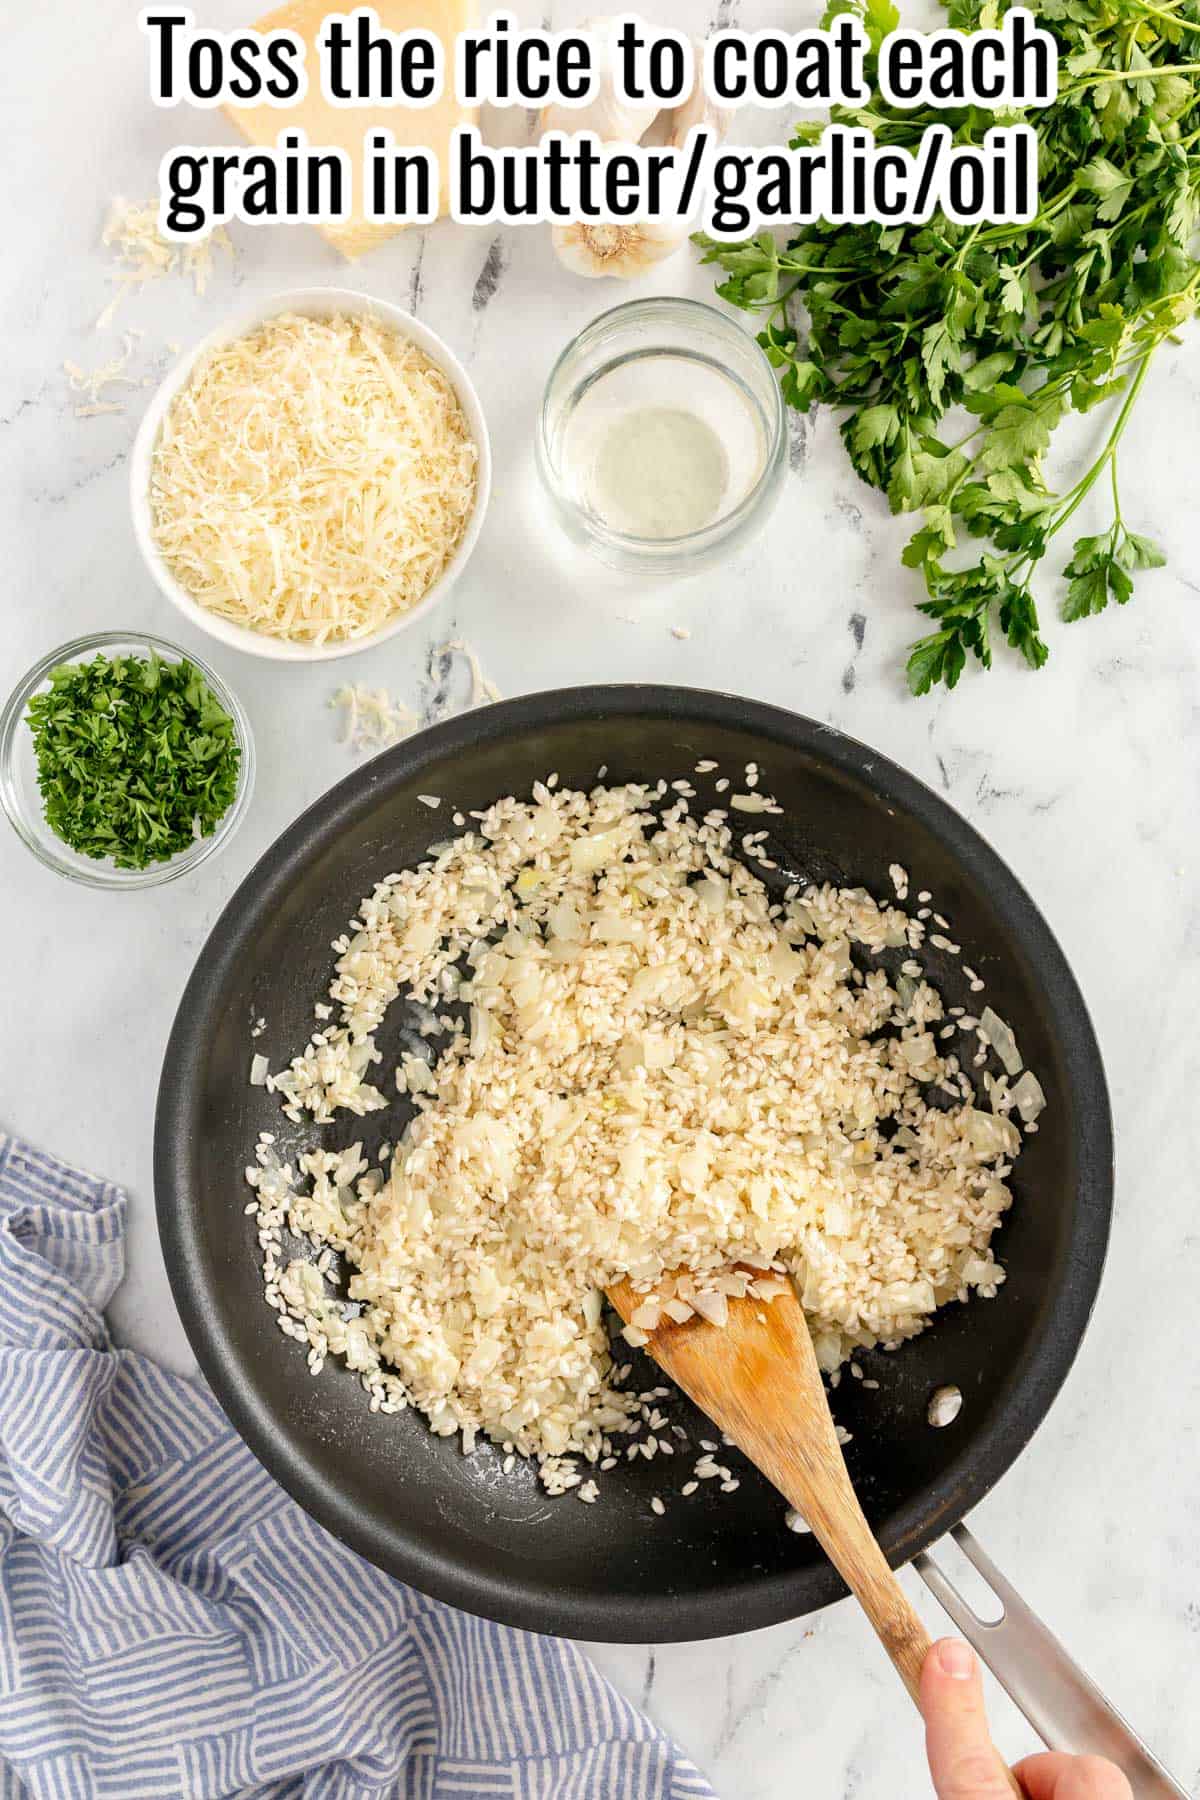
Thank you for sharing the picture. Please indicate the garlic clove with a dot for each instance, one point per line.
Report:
(622, 250)
(613, 120)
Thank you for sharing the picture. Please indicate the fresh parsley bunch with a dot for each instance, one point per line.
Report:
(136, 757)
(1006, 327)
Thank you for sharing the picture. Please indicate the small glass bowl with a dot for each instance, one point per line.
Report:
(619, 349)
(18, 768)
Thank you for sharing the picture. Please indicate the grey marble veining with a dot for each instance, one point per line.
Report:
(1085, 778)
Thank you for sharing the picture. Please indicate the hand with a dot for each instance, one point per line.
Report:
(964, 1762)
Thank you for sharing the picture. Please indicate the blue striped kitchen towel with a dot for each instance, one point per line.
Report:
(172, 1627)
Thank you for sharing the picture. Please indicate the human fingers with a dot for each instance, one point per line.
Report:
(1056, 1776)
(963, 1761)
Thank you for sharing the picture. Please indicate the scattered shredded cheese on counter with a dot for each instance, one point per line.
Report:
(483, 690)
(94, 381)
(131, 233)
(373, 720)
(313, 478)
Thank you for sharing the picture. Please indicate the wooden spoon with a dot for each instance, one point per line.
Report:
(757, 1378)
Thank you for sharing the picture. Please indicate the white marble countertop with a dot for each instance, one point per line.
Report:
(1084, 777)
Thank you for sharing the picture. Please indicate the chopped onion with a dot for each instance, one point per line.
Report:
(649, 982)
(616, 928)
(995, 1032)
(564, 921)
(418, 1076)
(545, 826)
(657, 1050)
(598, 850)
(258, 1071)
(754, 1259)
(482, 1030)
(712, 892)
(733, 1282)
(919, 1050)
(800, 919)
(991, 1134)
(712, 1306)
(1029, 1097)
(785, 965)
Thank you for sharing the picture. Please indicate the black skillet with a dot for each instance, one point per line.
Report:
(457, 1527)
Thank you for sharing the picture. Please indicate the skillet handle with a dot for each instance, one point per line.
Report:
(1061, 1702)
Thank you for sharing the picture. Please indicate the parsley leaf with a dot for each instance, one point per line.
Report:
(1099, 570)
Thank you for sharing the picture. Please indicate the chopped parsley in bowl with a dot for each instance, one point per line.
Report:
(123, 760)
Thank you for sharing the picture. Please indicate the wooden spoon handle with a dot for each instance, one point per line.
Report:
(864, 1568)
(832, 1512)
(865, 1571)
(852, 1549)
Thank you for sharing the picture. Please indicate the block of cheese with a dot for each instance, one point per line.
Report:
(343, 127)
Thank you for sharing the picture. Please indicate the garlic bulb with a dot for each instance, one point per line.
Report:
(613, 120)
(676, 121)
(623, 250)
(628, 249)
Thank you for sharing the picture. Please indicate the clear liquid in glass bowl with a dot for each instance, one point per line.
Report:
(663, 446)
(661, 440)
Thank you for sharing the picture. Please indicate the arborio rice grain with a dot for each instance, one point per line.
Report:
(664, 1069)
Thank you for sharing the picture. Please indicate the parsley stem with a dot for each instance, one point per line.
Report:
(1172, 18)
(1152, 74)
(800, 268)
(965, 246)
(1108, 455)
(1007, 234)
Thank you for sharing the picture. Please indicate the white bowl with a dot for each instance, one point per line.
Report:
(315, 303)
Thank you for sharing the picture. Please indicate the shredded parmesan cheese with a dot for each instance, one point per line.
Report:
(483, 691)
(131, 233)
(94, 381)
(313, 479)
(373, 720)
